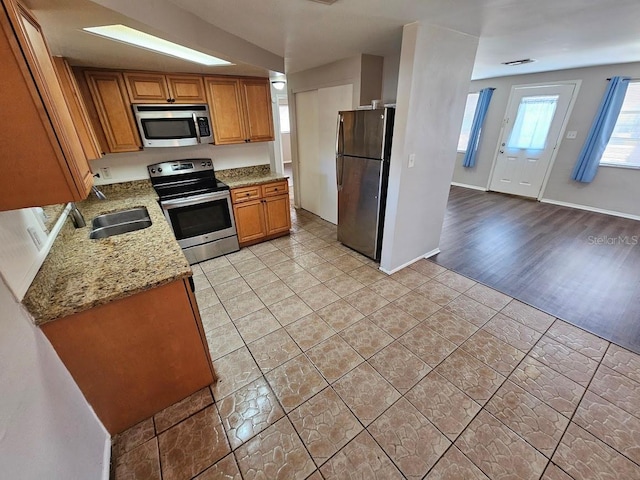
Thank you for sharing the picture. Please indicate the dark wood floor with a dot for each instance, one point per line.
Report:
(547, 256)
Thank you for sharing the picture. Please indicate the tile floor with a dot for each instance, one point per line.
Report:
(330, 369)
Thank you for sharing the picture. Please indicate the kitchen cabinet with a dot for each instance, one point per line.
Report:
(135, 356)
(43, 159)
(240, 109)
(145, 87)
(261, 212)
(108, 96)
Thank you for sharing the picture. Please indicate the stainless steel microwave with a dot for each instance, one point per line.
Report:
(173, 125)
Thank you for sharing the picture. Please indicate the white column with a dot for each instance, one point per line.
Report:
(433, 81)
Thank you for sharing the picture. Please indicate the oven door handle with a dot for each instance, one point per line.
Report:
(182, 202)
(195, 124)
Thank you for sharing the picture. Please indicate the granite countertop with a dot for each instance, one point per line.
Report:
(248, 176)
(80, 273)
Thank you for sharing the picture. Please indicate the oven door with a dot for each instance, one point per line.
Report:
(201, 218)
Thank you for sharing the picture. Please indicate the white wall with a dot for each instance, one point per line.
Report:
(435, 69)
(390, 77)
(47, 428)
(614, 189)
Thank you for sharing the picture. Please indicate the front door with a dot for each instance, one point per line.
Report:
(532, 126)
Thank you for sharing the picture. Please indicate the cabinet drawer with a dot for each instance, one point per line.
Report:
(245, 194)
(275, 189)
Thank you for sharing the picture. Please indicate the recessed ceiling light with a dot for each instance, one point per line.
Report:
(131, 36)
(514, 63)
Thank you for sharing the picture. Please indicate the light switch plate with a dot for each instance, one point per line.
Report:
(572, 134)
(412, 160)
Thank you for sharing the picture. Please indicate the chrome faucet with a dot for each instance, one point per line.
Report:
(98, 192)
(76, 215)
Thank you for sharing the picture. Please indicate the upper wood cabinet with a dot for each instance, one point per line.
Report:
(43, 161)
(109, 97)
(240, 109)
(144, 87)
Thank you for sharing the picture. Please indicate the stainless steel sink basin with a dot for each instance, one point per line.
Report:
(117, 223)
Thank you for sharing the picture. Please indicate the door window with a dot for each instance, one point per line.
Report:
(533, 121)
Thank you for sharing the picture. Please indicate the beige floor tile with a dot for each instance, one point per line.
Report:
(346, 263)
(318, 297)
(366, 301)
(193, 445)
(214, 264)
(325, 271)
(427, 344)
(456, 281)
(579, 340)
(344, 285)
(140, 462)
(222, 275)
(330, 253)
(334, 358)
(256, 325)
(394, 321)
(325, 424)
(488, 296)
(273, 292)
(248, 411)
(132, 437)
(214, 317)
(437, 292)
(453, 465)
(274, 349)
(471, 376)
(225, 469)
(514, 333)
(570, 363)
(295, 250)
(309, 260)
(301, 281)
(309, 331)
(617, 388)
(389, 288)
(242, 305)
(399, 366)
(201, 282)
(412, 442)
(223, 340)
(499, 355)
(417, 305)
(623, 361)
(469, 310)
(262, 248)
(240, 256)
(206, 298)
(366, 338)
(498, 451)
(582, 455)
(553, 472)
(362, 458)
(548, 385)
(427, 268)
(275, 454)
(450, 327)
(234, 370)
(366, 393)
(272, 259)
(529, 316)
(285, 268)
(410, 278)
(289, 310)
(610, 424)
(177, 412)
(295, 381)
(249, 266)
(339, 315)
(529, 417)
(260, 278)
(367, 275)
(446, 406)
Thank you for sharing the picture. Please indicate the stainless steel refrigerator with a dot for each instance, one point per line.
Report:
(362, 162)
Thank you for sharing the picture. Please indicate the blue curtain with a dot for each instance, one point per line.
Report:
(476, 127)
(601, 130)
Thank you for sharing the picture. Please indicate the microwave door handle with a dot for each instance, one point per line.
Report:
(195, 124)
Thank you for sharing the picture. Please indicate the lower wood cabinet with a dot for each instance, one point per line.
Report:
(261, 212)
(133, 357)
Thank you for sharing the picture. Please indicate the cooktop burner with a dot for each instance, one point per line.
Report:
(184, 178)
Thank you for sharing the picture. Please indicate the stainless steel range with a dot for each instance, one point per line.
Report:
(197, 206)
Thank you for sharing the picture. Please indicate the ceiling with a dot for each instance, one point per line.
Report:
(557, 34)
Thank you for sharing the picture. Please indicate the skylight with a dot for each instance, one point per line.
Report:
(131, 36)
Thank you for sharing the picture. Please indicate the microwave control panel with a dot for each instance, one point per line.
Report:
(203, 126)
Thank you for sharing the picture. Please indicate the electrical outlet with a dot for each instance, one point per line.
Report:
(105, 172)
(572, 135)
(412, 160)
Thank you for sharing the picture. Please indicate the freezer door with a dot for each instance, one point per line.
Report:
(361, 181)
(361, 133)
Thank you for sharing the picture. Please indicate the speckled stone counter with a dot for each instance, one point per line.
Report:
(248, 176)
(80, 273)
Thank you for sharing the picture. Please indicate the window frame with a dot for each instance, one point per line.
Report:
(602, 162)
(475, 109)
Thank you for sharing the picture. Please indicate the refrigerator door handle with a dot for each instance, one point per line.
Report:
(339, 136)
(339, 170)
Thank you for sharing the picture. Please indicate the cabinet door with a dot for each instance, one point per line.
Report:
(77, 108)
(43, 159)
(109, 96)
(225, 100)
(277, 214)
(147, 87)
(250, 221)
(186, 88)
(259, 116)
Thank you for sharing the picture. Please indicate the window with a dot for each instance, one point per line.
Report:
(467, 121)
(623, 149)
(533, 122)
(284, 118)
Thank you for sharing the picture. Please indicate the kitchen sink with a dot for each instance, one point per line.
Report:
(117, 223)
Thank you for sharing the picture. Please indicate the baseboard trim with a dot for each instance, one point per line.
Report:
(106, 470)
(466, 185)
(404, 265)
(590, 209)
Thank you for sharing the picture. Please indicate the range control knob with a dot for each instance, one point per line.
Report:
(208, 164)
(153, 170)
(204, 164)
(159, 170)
